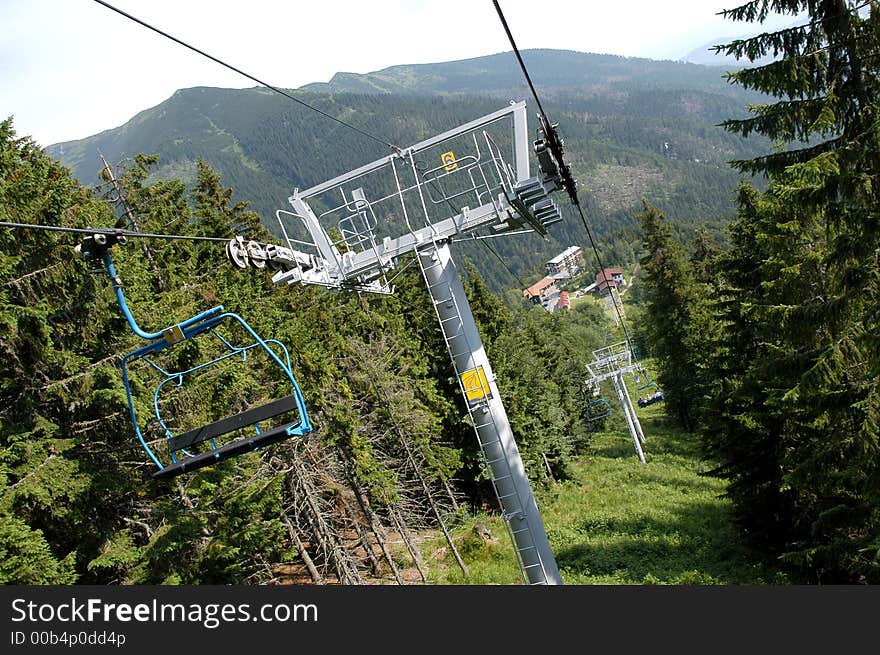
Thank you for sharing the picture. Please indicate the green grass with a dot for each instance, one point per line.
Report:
(618, 521)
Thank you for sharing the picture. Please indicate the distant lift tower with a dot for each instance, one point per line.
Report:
(612, 363)
(470, 182)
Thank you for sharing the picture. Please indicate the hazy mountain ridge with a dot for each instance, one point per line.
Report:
(550, 70)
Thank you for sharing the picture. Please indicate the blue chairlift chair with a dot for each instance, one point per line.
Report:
(597, 407)
(200, 447)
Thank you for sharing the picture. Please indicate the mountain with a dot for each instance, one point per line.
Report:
(705, 55)
(633, 128)
(553, 71)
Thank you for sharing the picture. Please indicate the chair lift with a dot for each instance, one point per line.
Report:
(597, 407)
(196, 448)
(647, 383)
(656, 397)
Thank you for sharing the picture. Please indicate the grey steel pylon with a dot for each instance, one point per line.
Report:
(497, 444)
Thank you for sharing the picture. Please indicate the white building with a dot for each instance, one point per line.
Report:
(568, 263)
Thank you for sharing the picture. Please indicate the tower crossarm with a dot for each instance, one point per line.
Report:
(474, 179)
(597, 378)
(350, 265)
(610, 361)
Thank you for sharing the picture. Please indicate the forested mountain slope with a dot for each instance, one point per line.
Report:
(633, 128)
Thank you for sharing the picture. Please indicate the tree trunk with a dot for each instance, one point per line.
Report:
(410, 544)
(301, 549)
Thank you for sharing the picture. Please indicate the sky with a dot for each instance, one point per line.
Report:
(72, 68)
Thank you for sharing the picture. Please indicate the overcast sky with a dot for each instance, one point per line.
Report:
(72, 68)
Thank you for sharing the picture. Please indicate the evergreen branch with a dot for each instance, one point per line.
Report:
(758, 46)
(33, 471)
(32, 274)
(857, 37)
(788, 41)
(793, 77)
(82, 373)
(777, 162)
(758, 10)
(788, 120)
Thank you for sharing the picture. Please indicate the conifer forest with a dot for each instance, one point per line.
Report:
(754, 301)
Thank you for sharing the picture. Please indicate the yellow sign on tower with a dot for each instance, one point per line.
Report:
(173, 334)
(475, 384)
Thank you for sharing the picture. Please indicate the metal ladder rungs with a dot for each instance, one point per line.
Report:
(522, 550)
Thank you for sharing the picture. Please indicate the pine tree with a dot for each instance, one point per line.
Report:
(816, 361)
(673, 318)
(741, 431)
(51, 514)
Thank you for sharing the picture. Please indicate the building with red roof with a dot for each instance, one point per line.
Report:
(608, 279)
(564, 301)
(539, 293)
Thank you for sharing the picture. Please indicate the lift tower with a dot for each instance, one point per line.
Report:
(471, 182)
(612, 363)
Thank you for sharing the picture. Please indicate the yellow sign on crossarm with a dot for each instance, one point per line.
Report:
(476, 386)
(449, 161)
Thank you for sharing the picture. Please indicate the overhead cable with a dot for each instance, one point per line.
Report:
(249, 76)
(568, 182)
(108, 230)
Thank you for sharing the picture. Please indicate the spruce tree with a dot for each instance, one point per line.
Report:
(816, 360)
(672, 319)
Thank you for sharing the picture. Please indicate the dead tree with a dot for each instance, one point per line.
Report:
(301, 549)
(385, 397)
(373, 520)
(315, 515)
(411, 545)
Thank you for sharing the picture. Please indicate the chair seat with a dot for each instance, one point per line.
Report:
(185, 465)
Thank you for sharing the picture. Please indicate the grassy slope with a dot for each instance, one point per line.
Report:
(622, 522)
